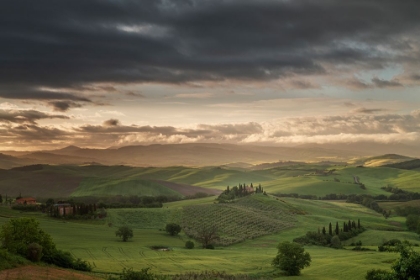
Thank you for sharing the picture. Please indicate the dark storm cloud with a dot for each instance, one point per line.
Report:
(19, 91)
(63, 105)
(74, 43)
(112, 122)
(26, 116)
(368, 111)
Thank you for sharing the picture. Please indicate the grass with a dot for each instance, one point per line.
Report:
(143, 218)
(108, 254)
(68, 180)
(106, 187)
(96, 242)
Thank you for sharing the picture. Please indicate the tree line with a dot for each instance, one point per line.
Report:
(332, 236)
(242, 190)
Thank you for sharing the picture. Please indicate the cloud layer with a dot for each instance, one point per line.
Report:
(56, 50)
(22, 129)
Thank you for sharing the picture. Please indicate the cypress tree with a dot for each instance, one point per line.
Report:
(330, 229)
(349, 224)
(353, 224)
(324, 231)
(1, 199)
(337, 229)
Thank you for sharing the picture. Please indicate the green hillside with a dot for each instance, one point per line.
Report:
(409, 165)
(98, 180)
(96, 242)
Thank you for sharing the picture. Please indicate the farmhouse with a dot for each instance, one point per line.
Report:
(249, 189)
(26, 200)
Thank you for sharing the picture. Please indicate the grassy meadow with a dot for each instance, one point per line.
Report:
(250, 228)
(98, 180)
(97, 243)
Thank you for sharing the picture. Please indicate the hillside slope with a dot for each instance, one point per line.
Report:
(198, 154)
(100, 180)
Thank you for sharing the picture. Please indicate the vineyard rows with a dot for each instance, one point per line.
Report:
(246, 219)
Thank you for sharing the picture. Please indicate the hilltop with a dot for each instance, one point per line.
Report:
(194, 155)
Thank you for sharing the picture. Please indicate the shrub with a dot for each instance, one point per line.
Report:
(81, 265)
(406, 267)
(130, 274)
(34, 252)
(173, 229)
(336, 242)
(8, 260)
(359, 248)
(314, 238)
(377, 274)
(17, 233)
(59, 258)
(189, 244)
(26, 208)
(66, 260)
(390, 246)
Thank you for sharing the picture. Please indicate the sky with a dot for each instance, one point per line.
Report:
(110, 73)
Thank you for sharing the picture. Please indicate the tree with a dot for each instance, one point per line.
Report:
(1, 199)
(189, 244)
(330, 229)
(207, 235)
(407, 267)
(173, 229)
(18, 233)
(49, 202)
(291, 258)
(335, 242)
(125, 233)
(412, 221)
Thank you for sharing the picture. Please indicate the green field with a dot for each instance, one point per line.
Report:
(76, 181)
(97, 243)
(250, 228)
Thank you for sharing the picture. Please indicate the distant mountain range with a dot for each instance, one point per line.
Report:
(200, 154)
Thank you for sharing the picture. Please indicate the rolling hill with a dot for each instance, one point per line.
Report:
(100, 180)
(194, 155)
